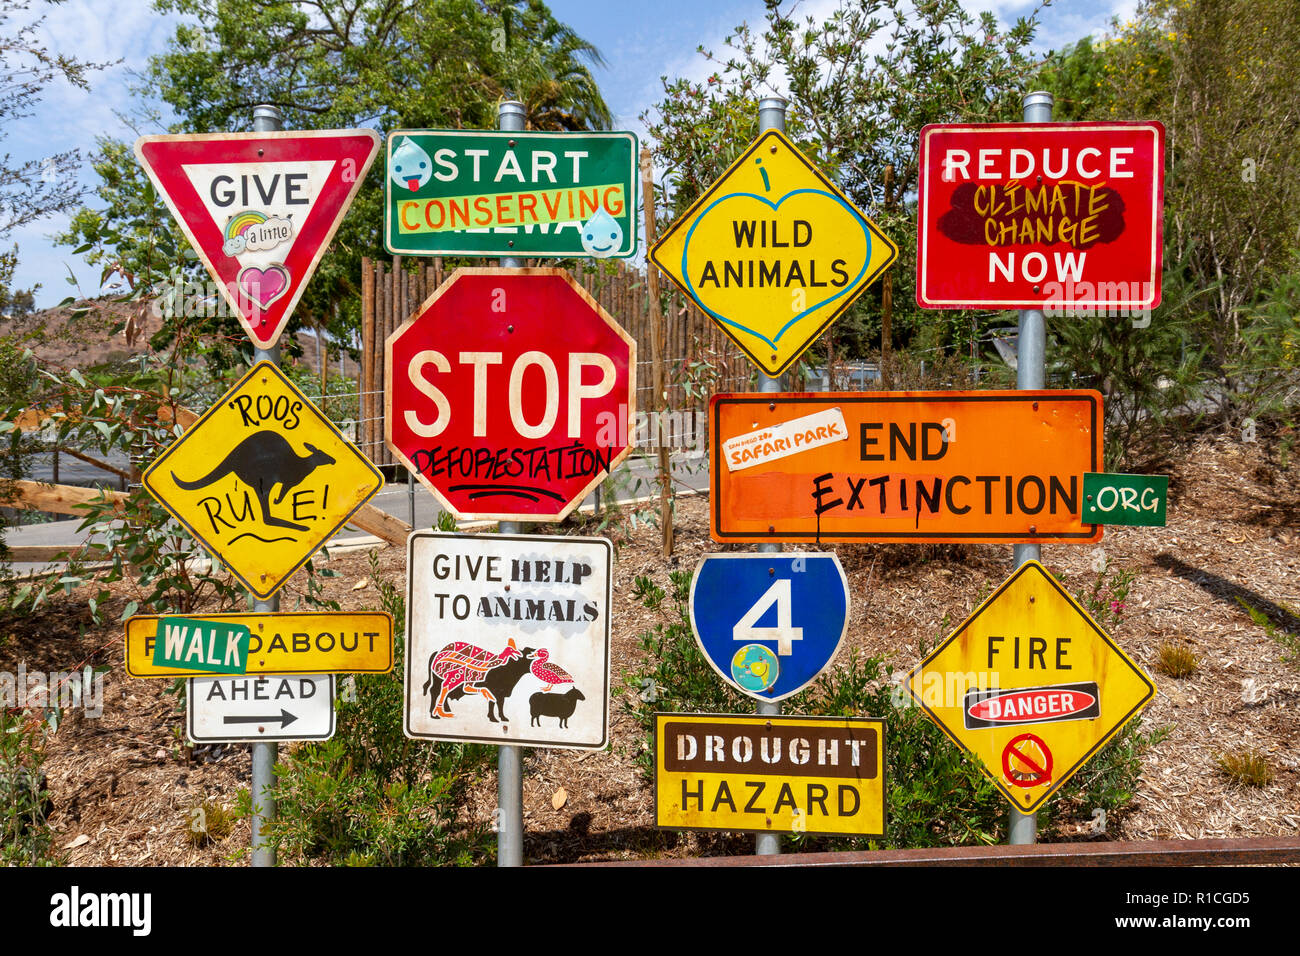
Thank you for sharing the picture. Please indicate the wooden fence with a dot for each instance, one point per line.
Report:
(696, 351)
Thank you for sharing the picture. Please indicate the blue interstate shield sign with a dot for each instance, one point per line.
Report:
(769, 623)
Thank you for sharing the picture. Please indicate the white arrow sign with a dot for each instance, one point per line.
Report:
(260, 707)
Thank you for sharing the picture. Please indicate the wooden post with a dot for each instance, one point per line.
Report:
(887, 293)
(367, 345)
(657, 356)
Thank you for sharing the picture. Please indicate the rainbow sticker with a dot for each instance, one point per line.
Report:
(253, 231)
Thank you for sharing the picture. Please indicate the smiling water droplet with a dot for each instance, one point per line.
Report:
(601, 235)
(410, 166)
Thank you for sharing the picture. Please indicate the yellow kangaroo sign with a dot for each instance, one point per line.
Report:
(773, 252)
(262, 479)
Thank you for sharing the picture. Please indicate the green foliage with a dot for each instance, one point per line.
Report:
(1288, 639)
(130, 409)
(207, 822)
(1177, 660)
(370, 796)
(25, 836)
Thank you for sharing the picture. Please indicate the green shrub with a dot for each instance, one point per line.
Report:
(25, 836)
(371, 796)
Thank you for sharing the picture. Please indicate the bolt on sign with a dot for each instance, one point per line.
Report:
(1065, 217)
(1030, 686)
(259, 209)
(769, 624)
(324, 642)
(1135, 500)
(997, 467)
(773, 252)
(262, 479)
(248, 709)
(492, 193)
(510, 394)
(508, 639)
(770, 774)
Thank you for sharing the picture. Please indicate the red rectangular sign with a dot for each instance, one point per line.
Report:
(1064, 217)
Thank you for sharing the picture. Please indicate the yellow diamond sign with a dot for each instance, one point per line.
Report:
(262, 479)
(1030, 685)
(773, 252)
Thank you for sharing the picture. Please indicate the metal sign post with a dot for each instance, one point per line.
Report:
(1031, 359)
(266, 119)
(510, 760)
(771, 115)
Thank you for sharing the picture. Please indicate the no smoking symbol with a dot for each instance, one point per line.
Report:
(1027, 762)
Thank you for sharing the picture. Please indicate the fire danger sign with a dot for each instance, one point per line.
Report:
(1030, 686)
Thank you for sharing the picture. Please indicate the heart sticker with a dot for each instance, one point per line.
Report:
(743, 269)
(263, 286)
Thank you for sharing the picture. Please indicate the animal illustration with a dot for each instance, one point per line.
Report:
(261, 461)
(549, 674)
(460, 668)
(409, 165)
(562, 706)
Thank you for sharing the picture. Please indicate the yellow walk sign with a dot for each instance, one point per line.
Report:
(262, 479)
(325, 642)
(773, 252)
(1030, 685)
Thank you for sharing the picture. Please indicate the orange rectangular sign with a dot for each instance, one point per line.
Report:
(987, 466)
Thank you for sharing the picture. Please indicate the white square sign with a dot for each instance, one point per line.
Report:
(507, 639)
(246, 708)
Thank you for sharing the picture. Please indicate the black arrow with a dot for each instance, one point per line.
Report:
(285, 719)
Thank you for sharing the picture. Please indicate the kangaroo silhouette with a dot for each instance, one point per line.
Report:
(261, 461)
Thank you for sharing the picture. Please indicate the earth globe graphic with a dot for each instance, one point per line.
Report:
(755, 668)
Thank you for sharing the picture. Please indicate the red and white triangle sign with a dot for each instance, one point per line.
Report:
(260, 208)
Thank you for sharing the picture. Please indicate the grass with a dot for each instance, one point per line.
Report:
(1247, 768)
(208, 822)
(1177, 660)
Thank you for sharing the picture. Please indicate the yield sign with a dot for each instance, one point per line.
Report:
(263, 479)
(259, 208)
(1031, 686)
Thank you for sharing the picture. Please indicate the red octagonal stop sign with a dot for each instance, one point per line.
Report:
(510, 394)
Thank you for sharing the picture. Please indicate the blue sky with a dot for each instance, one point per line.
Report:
(640, 42)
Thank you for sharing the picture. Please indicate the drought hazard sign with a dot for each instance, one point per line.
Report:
(773, 252)
(1066, 217)
(508, 639)
(761, 774)
(1000, 466)
(328, 642)
(453, 192)
(262, 479)
(1030, 686)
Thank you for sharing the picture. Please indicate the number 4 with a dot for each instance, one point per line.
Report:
(784, 632)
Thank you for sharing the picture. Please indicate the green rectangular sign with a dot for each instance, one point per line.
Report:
(208, 647)
(492, 193)
(1125, 499)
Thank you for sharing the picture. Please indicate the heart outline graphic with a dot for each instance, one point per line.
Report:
(848, 287)
(259, 291)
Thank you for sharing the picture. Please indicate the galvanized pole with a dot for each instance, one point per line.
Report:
(771, 115)
(266, 119)
(1031, 372)
(510, 772)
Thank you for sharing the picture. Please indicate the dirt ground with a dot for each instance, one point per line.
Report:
(123, 785)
